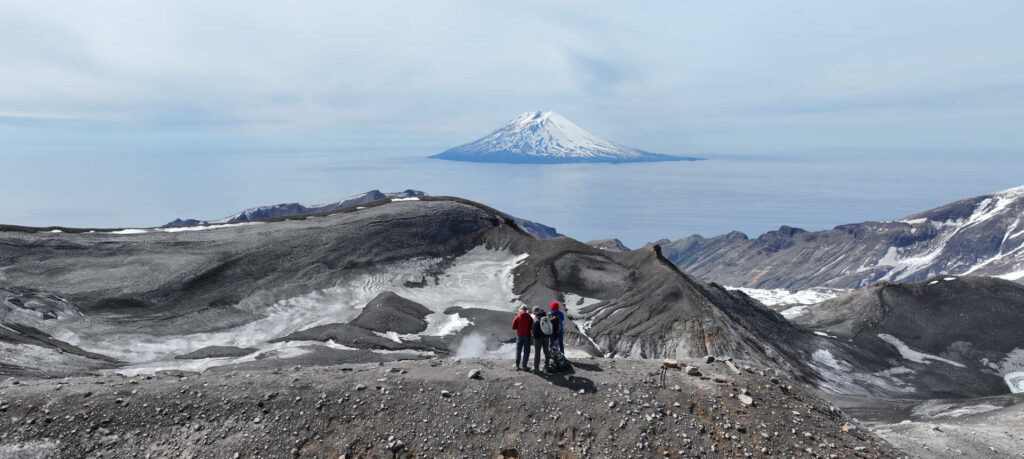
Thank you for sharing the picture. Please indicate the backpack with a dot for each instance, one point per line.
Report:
(559, 364)
(546, 326)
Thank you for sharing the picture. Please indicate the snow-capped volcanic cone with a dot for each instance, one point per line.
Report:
(547, 137)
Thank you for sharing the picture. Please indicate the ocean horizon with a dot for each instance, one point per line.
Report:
(635, 202)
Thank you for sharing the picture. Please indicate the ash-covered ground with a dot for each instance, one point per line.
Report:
(430, 408)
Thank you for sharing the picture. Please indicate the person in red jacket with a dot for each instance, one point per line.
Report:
(523, 324)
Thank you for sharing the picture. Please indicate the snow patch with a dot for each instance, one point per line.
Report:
(1015, 381)
(1017, 275)
(895, 371)
(413, 198)
(129, 231)
(949, 410)
(178, 229)
(574, 303)
(794, 311)
(782, 297)
(914, 356)
(826, 358)
(393, 336)
(441, 324)
(1013, 361)
(837, 376)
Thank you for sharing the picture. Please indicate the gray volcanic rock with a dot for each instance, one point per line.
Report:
(390, 312)
(216, 351)
(978, 236)
(537, 230)
(614, 245)
(276, 211)
(316, 412)
(962, 332)
(344, 334)
(294, 208)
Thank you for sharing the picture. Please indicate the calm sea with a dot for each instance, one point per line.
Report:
(638, 203)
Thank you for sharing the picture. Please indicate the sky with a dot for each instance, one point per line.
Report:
(119, 114)
(671, 77)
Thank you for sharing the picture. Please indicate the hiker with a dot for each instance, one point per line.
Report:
(559, 319)
(523, 324)
(543, 329)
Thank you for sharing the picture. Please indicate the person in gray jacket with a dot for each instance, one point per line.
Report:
(540, 339)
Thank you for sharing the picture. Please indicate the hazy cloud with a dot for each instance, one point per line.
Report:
(665, 76)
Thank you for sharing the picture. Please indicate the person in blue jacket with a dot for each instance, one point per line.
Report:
(559, 318)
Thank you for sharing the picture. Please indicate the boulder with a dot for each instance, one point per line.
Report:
(389, 312)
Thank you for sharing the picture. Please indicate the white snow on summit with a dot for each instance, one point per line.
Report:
(550, 134)
(547, 137)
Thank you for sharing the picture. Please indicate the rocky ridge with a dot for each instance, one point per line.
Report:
(981, 236)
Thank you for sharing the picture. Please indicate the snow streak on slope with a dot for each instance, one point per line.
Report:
(914, 356)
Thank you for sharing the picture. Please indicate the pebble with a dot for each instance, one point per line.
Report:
(474, 374)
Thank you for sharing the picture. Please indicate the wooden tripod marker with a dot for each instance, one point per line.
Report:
(669, 363)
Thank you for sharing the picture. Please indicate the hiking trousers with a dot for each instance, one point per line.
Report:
(539, 345)
(558, 339)
(523, 349)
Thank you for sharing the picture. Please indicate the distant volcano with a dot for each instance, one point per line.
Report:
(547, 137)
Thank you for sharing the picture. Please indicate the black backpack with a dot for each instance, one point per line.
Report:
(559, 364)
